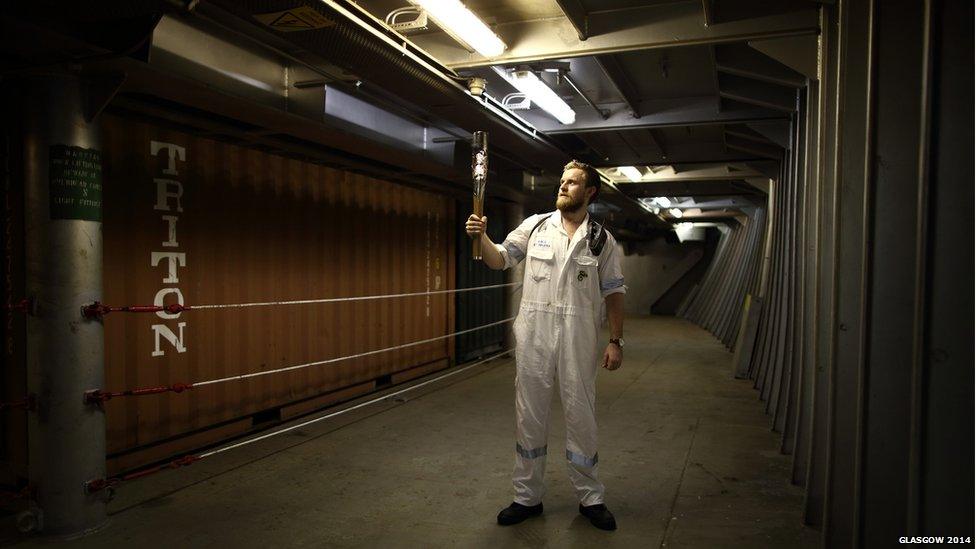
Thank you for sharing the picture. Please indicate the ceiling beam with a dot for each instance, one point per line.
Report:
(705, 172)
(621, 82)
(714, 72)
(778, 132)
(740, 130)
(798, 53)
(731, 202)
(711, 215)
(627, 142)
(716, 188)
(643, 145)
(596, 148)
(657, 138)
(680, 155)
(658, 26)
(770, 169)
(744, 61)
(708, 12)
(576, 13)
(751, 147)
(757, 93)
(689, 111)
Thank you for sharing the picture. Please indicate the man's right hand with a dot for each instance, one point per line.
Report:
(476, 226)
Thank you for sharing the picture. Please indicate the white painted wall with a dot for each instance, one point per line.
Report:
(653, 269)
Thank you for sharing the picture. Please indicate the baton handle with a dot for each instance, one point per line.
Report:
(476, 241)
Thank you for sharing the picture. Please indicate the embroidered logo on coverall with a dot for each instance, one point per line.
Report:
(582, 274)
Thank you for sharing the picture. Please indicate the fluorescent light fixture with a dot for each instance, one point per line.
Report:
(540, 94)
(675, 213)
(632, 173)
(463, 25)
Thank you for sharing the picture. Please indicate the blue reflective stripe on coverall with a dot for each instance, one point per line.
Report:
(556, 338)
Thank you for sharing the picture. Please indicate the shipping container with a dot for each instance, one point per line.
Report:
(201, 222)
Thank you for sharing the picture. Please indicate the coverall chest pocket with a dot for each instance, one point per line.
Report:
(586, 274)
(540, 263)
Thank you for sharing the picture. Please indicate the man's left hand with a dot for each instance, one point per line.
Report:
(612, 357)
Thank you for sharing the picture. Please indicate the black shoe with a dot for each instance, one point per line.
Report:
(599, 516)
(516, 513)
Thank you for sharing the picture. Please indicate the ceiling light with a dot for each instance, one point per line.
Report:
(632, 173)
(540, 94)
(676, 213)
(663, 201)
(688, 231)
(460, 22)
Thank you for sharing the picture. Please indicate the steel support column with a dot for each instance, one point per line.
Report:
(808, 338)
(844, 506)
(65, 352)
(829, 148)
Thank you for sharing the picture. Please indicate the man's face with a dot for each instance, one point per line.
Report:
(573, 192)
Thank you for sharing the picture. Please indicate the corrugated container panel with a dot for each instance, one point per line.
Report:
(258, 227)
(485, 306)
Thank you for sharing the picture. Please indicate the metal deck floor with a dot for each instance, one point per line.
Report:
(686, 453)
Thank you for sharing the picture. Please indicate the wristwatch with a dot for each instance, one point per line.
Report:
(619, 342)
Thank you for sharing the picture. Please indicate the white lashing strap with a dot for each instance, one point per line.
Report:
(351, 408)
(355, 298)
(341, 358)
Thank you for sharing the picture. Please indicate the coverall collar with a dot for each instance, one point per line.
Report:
(557, 221)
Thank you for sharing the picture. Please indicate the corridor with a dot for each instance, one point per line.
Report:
(687, 455)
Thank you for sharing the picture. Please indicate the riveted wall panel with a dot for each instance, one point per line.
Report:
(717, 303)
(944, 470)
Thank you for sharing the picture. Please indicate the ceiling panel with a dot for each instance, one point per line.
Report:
(670, 73)
(682, 135)
(596, 6)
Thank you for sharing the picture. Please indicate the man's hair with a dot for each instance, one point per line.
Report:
(592, 176)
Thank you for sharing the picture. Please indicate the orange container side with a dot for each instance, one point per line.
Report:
(258, 227)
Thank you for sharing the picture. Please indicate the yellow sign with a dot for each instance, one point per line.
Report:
(296, 19)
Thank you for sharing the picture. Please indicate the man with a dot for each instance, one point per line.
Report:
(567, 274)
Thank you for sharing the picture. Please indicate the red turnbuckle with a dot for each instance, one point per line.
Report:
(98, 310)
(27, 492)
(25, 305)
(98, 484)
(28, 403)
(184, 461)
(98, 396)
(95, 310)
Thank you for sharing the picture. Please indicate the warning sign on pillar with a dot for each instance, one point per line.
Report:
(296, 19)
(75, 183)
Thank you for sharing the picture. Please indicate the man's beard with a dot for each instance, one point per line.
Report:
(568, 203)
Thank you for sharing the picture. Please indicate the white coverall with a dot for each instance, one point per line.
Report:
(556, 337)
